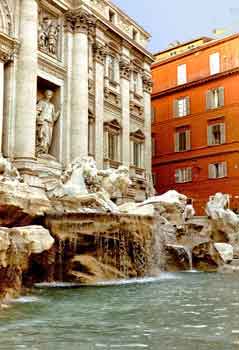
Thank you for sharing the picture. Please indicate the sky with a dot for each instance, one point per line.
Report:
(183, 20)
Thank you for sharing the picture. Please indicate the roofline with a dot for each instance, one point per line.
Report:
(130, 19)
(183, 44)
(196, 49)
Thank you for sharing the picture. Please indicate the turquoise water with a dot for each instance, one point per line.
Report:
(177, 311)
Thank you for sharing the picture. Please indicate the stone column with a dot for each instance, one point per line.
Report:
(1, 101)
(80, 76)
(147, 86)
(99, 57)
(125, 106)
(27, 82)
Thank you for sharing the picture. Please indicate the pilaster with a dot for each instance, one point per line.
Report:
(99, 59)
(25, 130)
(125, 103)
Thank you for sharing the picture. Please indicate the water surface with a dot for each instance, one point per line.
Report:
(186, 311)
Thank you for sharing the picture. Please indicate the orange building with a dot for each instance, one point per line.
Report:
(195, 104)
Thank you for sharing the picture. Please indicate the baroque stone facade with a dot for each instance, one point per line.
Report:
(74, 81)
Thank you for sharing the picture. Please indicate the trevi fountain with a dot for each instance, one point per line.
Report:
(90, 257)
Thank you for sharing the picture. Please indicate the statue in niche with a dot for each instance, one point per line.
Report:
(48, 35)
(46, 118)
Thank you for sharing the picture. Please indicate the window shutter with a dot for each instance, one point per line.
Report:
(223, 169)
(176, 141)
(211, 171)
(188, 105)
(177, 176)
(152, 114)
(188, 140)
(175, 108)
(221, 96)
(189, 174)
(209, 100)
(223, 133)
(209, 135)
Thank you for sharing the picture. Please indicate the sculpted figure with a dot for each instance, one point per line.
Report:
(52, 38)
(81, 180)
(217, 210)
(115, 180)
(43, 34)
(46, 118)
(8, 172)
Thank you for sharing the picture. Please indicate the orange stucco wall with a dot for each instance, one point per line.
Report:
(166, 161)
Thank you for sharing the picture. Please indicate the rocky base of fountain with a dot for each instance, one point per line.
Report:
(77, 234)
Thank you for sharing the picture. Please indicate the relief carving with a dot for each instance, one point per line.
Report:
(48, 34)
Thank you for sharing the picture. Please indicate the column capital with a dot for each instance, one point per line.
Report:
(125, 69)
(147, 83)
(79, 22)
(100, 52)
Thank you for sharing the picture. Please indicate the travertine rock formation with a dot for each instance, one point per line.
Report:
(17, 245)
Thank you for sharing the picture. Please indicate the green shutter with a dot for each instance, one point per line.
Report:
(209, 103)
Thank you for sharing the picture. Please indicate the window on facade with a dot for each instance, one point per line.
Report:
(137, 160)
(91, 137)
(112, 146)
(182, 74)
(153, 113)
(154, 177)
(215, 98)
(136, 82)
(153, 147)
(217, 170)
(111, 16)
(216, 134)
(111, 68)
(112, 139)
(135, 35)
(182, 107)
(214, 63)
(183, 175)
(182, 140)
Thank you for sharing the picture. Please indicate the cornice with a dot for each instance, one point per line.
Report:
(197, 82)
(9, 47)
(51, 67)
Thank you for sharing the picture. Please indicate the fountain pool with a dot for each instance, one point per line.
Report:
(181, 311)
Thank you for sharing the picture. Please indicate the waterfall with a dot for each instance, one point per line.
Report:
(188, 251)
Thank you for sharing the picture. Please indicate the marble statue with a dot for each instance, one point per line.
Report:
(217, 209)
(83, 180)
(46, 118)
(8, 173)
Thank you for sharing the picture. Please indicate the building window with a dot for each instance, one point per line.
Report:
(182, 74)
(216, 134)
(217, 170)
(153, 145)
(215, 98)
(135, 34)
(111, 68)
(112, 146)
(136, 82)
(111, 16)
(91, 136)
(137, 154)
(154, 177)
(112, 139)
(182, 140)
(153, 113)
(137, 149)
(214, 63)
(183, 175)
(182, 107)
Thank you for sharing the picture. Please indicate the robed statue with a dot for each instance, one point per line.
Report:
(46, 118)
